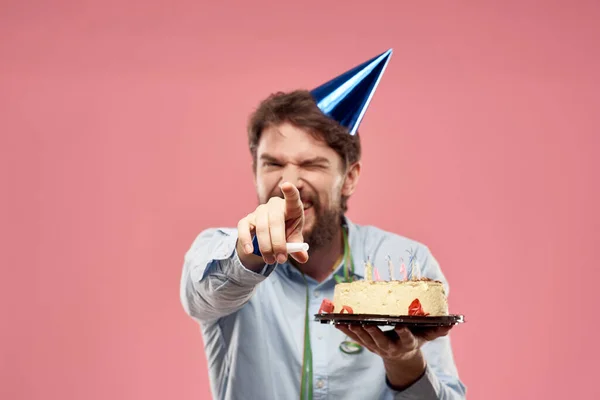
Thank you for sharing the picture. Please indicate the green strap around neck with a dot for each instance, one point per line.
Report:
(306, 383)
(348, 263)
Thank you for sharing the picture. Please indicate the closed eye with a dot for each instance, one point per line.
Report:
(316, 163)
(271, 164)
(314, 166)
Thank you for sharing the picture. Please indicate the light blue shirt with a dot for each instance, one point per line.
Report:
(253, 324)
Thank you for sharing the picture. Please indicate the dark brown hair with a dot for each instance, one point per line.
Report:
(300, 109)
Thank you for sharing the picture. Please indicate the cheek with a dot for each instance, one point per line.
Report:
(330, 192)
(264, 186)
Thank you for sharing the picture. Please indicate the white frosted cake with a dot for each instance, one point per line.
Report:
(391, 297)
(416, 296)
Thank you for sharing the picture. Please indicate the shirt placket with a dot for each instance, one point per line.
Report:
(318, 337)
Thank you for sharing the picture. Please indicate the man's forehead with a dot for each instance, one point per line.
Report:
(286, 139)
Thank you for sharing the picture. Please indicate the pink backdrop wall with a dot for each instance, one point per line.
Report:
(122, 136)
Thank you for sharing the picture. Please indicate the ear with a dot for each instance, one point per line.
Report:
(351, 179)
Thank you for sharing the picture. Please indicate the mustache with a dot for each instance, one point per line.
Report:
(303, 197)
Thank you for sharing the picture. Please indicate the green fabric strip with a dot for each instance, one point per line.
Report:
(348, 263)
(306, 384)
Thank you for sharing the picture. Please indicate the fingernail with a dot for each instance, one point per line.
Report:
(248, 248)
(280, 258)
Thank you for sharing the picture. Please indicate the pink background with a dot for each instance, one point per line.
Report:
(123, 136)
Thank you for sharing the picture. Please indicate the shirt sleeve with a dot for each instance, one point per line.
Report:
(214, 283)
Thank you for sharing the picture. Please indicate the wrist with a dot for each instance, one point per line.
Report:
(402, 373)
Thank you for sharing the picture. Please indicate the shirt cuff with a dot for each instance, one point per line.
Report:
(241, 275)
(225, 262)
(425, 388)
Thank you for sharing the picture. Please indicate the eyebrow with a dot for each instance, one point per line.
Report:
(314, 160)
(267, 157)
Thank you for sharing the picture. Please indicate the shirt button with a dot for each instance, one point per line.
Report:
(320, 337)
(320, 383)
(317, 293)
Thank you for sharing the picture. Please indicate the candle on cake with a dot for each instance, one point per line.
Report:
(368, 271)
(411, 264)
(390, 268)
(416, 270)
(403, 270)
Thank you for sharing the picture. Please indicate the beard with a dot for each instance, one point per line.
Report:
(326, 222)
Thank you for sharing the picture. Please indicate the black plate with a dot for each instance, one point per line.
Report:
(416, 324)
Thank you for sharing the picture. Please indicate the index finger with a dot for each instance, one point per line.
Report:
(292, 198)
(407, 340)
(380, 339)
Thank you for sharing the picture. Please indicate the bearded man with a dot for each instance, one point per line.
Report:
(254, 301)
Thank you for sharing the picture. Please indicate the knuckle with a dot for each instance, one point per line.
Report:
(277, 216)
(279, 247)
(262, 230)
(278, 240)
(274, 201)
(247, 220)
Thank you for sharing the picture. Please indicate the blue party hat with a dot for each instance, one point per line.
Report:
(346, 97)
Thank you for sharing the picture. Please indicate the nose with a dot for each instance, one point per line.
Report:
(292, 174)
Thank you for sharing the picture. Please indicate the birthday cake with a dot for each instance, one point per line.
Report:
(417, 296)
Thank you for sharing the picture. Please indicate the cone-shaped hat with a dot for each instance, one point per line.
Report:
(346, 97)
